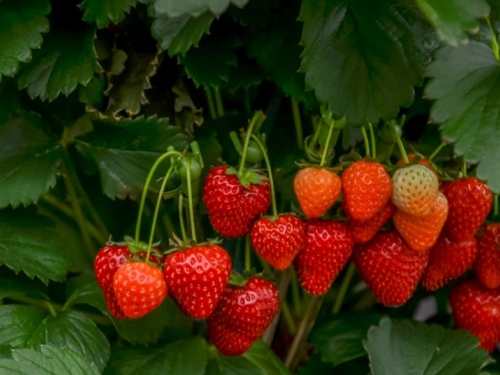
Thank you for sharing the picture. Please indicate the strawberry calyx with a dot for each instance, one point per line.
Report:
(248, 177)
(182, 247)
(135, 248)
(240, 280)
(304, 164)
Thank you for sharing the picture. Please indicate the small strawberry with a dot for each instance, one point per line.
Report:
(470, 201)
(390, 268)
(327, 247)
(317, 190)
(422, 161)
(196, 278)
(487, 264)
(415, 189)
(278, 241)
(477, 309)
(367, 188)
(422, 232)
(232, 207)
(364, 230)
(448, 260)
(242, 315)
(140, 288)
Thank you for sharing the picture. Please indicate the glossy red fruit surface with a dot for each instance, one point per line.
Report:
(487, 264)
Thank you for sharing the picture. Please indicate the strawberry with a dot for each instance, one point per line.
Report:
(196, 278)
(278, 241)
(477, 309)
(242, 315)
(317, 190)
(470, 201)
(448, 260)
(422, 232)
(367, 188)
(487, 264)
(327, 247)
(390, 268)
(140, 288)
(415, 189)
(232, 207)
(364, 230)
(422, 161)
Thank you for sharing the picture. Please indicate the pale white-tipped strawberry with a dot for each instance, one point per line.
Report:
(415, 188)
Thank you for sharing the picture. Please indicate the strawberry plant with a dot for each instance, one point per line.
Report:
(227, 187)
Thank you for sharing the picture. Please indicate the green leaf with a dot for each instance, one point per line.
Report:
(362, 57)
(176, 8)
(452, 17)
(12, 284)
(466, 85)
(407, 347)
(18, 322)
(125, 151)
(65, 60)
(50, 360)
(92, 94)
(104, 11)
(23, 23)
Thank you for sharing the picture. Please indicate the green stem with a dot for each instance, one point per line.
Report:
(400, 144)
(436, 151)
(495, 206)
(343, 288)
(247, 253)
(297, 302)
(210, 101)
(372, 137)
(494, 42)
(327, 145)
(464, 167)
(298, 123)
(181, 220)
(287, 316)
(190, 200)
(367, 143)
(247, 140)
(269, 172)
(218, 102)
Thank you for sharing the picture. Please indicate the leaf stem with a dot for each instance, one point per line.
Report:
(436, 151)
(464, 167)
(247, 253)
(247, 141)
(181, 220)
(495, 206)
(269, 172)
(298, 123)
(372, 137)
(190, 200)
(367, 142)
(210, 101)
(400, 144)
(343, 288)
(494, 42)
(218, 102)
(327, 144)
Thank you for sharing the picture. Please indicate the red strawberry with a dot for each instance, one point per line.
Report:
(470, 201)
(233, 208)
(317, 190)
(278, 241)
(487, 264)
(196, 278)
(367, 188)
(390, 268)
(140, 288)
(242, 315)
(327, 247)
(477, 309)
(422, 161)
(448, 260)
(364, 230)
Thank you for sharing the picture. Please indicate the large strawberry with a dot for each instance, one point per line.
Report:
(470, 201)
(422, 232)
(317, 190)
(327, 247)
(279, 240)
(448, 260)
(390, 268)
(367, 188)
(232, 207)
(487, 264)
(242, 315)
(196, 278)
(477, 309)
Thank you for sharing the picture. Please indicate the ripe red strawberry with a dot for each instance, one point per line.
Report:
(422, 161)
(317, 190)
(470, 201)
(242, 315)
(327, 247)
(233, 208)
(390, 268)
(278, 241)
(140, 288)
(367, 188)
(364, 230)
(477, 309)
(487, 264)
(196, 278)
(421, 233)
(448, 260)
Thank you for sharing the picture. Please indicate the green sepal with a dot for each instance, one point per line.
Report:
(381, 158)
(249, 176)
(133, 248)
(237, 279)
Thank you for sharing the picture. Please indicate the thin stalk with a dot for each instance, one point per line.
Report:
(464, 168)
(343, 288)
(297, 302)
(181, 220)
(247, 141)
(372, 137)
(298, 123)
(495, 206)
(269, 172)
(494, 42)
(287, 316)
(436, 151)
(210, 101)
(247, 253)
(367, 142)
(218, 102)
(400, 144)
(327, 145)
(190, 200)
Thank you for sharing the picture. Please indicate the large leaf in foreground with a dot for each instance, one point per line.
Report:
(195, 7)
(104, 11)
(466, 85)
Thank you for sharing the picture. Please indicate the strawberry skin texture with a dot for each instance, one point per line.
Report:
(232, 208)
(448, 260)
(278, 241)
(421, 233)
(327, 247)
(197, 277)
(477, 309)
(422, 161)
(139, 288)
(390, 268)
(317, 190)
(470, 201)
(367, 188)
(487, 264)
(242, 315)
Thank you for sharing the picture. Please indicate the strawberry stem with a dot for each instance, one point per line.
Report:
(400, 144)
(495, 206)
(210, 101)
(372, 137)
(464, 168)
(298, 123)
(257, 116)
(436, 151)
(327, 144)
(190, 200)
(181, 220)
(247, 253)
(218, 102)
(343, 288)
(367, 143)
